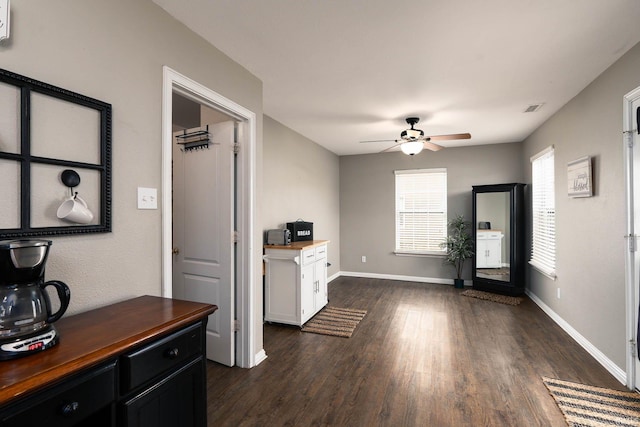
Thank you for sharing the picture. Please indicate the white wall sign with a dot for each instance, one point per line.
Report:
(579, 178)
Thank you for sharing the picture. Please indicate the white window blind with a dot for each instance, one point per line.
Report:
(543, 252)
(421, 210)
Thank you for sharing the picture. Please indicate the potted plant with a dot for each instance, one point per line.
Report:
(459, 246)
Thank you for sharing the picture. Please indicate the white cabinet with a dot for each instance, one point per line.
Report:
(295, 281)
(489, 249)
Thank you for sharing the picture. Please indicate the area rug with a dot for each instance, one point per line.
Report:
(494, 271)
(502, 299)
(335, 321)
(584, 405)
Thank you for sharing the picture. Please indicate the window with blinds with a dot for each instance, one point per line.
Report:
(421, 210)
(543, 252)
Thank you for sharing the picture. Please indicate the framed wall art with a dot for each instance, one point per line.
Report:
(579, 178)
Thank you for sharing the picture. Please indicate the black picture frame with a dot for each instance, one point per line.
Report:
(26, 160)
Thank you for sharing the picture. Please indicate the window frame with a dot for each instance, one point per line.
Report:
(543, 213)
(402, 249)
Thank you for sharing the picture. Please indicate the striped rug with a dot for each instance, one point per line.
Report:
(502, 299)
(335, 321)
(584, 405)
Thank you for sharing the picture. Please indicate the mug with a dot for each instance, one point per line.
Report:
(74, 209)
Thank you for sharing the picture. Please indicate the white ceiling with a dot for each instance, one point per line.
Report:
(344, 71)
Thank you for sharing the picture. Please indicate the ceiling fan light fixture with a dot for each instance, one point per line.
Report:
(411, 134)
(412, 147)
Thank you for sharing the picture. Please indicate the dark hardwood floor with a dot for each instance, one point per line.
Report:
(422, 356)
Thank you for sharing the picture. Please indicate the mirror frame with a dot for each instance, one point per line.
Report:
(516, 284)
(27, 86)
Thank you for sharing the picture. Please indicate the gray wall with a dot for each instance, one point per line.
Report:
(590, 242)
(301, 180)
(114, 51)
(367, 203)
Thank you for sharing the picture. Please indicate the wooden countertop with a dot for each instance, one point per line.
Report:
(298, 246)
(90, 338)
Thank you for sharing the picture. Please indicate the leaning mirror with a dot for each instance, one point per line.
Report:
(55, 159)
(498, 233)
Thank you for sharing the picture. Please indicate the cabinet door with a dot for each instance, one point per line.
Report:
(481, 253)
(322, 294)
(307, 292)
(177, 400)
(494, 253)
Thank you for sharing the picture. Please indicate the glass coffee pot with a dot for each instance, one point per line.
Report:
(26, 315)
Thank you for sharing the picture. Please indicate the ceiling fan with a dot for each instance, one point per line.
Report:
(412, 140)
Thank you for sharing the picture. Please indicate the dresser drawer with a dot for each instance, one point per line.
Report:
(66, 404)
(487, 235)
(321, 252)
(142, 365)
(308, 256)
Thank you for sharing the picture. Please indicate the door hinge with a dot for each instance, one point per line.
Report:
(236, 325)
(633, 347)
(236, 148)
(631, 238)
(628, 137)
(235, 236)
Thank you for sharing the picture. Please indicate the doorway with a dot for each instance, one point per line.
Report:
(631, 147)
(247, 321)
(203, 194)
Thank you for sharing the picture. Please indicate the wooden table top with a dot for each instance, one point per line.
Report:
(92, 337)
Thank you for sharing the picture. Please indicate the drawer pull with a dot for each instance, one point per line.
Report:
(172, 353)
(69, 409)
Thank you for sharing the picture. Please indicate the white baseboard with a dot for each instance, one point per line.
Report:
(607, 363)
(260, 357)
(333, 277)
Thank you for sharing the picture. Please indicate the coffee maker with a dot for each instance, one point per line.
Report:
(26, 320)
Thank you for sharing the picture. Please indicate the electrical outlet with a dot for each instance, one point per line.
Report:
(364, 258)
(558, 290)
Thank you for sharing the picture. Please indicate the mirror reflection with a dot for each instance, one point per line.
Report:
(493, 236)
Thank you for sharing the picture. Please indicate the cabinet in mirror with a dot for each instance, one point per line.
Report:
(498, 233)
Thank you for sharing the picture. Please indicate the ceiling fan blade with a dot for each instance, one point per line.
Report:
(431, 146)
(379, 140)
(449, 137)
(396, 145)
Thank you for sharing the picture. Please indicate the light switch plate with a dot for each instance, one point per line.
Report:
(147, 198)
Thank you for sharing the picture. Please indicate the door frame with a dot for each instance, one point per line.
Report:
(632, 281)
(245, 270)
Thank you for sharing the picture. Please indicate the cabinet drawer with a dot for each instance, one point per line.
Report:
(153, 360)
(321, 252)
(66, 404)
(489, 235)
(308, 256)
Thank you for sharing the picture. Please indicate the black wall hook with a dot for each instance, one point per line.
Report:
(71, 179)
